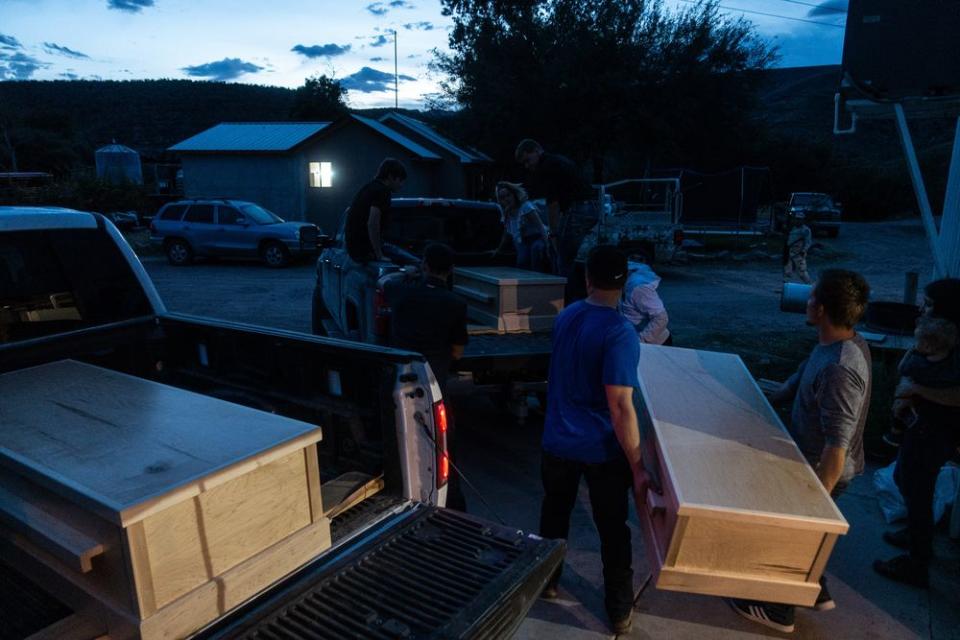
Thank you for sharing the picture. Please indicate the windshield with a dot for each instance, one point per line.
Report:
(260, 215)
(812, 200)
(49, 284)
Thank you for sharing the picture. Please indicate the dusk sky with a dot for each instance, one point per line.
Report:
(284, 41)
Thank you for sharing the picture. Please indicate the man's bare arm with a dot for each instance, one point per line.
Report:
(373, 230)
(624, 419)
(948, 396)
(830, 469)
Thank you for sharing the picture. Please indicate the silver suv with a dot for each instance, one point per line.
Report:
(229, 229)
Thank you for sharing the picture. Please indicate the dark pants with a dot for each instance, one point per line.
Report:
(609, 484)
(532, 254)
(575, 223)
(926, 447)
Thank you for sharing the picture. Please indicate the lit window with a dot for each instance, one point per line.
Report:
(321, 174)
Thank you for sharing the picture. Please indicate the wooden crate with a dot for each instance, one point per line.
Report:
(741, 513)
(508, 299)
(165, 506)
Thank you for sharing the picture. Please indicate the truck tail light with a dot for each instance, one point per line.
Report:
(678, 237)
(443, 458)
(381, 314)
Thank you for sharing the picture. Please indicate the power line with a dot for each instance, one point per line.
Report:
(816, 6)
(770, 15)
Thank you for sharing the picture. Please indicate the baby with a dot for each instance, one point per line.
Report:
(933, 362)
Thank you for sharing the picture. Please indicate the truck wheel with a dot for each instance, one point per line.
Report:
(179, 252)
(274, 255)
(320, 313)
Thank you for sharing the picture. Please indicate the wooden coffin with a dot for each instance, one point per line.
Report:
(165, 507)
(508, 299)
(740, 513)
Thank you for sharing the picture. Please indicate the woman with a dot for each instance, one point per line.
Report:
(523, 226)
(930, 388)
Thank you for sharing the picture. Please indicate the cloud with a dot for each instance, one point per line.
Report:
(226, 69)
(377, 59)
(418, 26)
(369, 80)
(412, 56)
(829, 8)
(67, 75)
(379, 41)
(401, 4)
(9, 42)
(130, 6)
(377, 8)
(321, 50)
(51, 47)
(19, 66)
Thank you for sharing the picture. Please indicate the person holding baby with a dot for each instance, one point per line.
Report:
(927, 406)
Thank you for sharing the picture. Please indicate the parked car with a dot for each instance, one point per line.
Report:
(819, 211)
(224, 228)
(124, 219)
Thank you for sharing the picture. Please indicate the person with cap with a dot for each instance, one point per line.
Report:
(799, 240)
(428, 318)
(591, 427)
(572, 208)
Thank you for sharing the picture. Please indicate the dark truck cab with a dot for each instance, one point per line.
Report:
(400, 565)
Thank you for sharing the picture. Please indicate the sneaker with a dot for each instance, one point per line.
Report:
(903, 569)
(775, 616)
(825, 601)
(622, 624)
(899, 538)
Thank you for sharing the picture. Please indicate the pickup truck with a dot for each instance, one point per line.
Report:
(400, 565)
(819, 210)
(348, 303)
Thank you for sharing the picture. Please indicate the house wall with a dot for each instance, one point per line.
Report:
(453, 180)
(356, 152)
(269, 180)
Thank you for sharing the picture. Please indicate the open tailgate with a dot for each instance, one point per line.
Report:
(429, 573)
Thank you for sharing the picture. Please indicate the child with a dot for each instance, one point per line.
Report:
(799, 241)
(931, 363)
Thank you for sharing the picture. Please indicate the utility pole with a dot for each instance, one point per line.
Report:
(396, 76)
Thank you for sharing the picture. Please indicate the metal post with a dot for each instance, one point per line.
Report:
(396, 76)
(910, 287)
(926, 213)
(950, 223)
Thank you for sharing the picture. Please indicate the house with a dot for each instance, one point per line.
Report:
(311, 170)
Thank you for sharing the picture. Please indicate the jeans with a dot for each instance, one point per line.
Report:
(609, 484)
(532, 254)
(926, 447)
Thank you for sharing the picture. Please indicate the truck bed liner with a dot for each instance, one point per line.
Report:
(437, 574)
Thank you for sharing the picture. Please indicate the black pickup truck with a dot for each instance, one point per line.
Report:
(400, 565)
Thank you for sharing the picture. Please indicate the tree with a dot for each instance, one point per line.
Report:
(320, 98)
(601, 80)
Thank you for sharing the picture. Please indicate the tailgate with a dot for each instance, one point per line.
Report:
(432, 573)
(507, 352)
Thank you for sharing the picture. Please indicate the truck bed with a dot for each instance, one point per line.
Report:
(506, 352)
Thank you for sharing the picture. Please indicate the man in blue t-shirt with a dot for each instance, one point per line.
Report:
(591, 427)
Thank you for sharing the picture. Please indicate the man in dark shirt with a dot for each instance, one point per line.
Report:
(369, 213)
(428, 318)
(571, 204)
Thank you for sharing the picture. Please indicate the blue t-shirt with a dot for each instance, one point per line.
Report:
(593, 346)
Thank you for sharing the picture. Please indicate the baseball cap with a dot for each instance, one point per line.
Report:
(607, 267)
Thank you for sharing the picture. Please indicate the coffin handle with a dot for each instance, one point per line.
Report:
(656, 505)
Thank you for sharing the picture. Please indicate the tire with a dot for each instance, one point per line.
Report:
(179, 253)
(319, 313)
(274, 255)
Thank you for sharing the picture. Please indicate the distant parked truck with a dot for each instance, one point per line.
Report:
(820, 212)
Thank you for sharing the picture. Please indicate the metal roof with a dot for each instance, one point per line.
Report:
(252, 136)
(116, 148)
(428, 132)
(400, 139)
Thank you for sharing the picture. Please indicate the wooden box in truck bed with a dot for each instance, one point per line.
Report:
(509, 300)
(165, 507)
(741, 514)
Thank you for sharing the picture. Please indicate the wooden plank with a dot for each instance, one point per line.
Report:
(313, 482)
(349, 490)
(722, 443)
(139, 568)
(115, 442)
(720, 584)
(35, 514)
(215, 598)
(195, 541)
(73, 627)
(820, 564)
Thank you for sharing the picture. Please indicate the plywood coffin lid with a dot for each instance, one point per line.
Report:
(723, 445)
(507, 275)
(126, 447)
